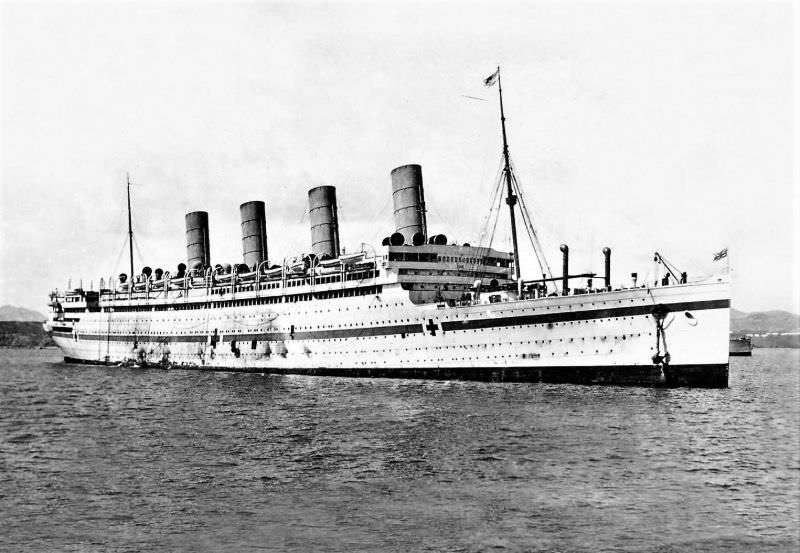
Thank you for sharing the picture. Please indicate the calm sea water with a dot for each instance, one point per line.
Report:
(111, 459)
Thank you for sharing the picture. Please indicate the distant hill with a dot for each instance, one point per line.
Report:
(767, 329)
(23, 334)
(12, 313)
(760, 322)
(22, 328)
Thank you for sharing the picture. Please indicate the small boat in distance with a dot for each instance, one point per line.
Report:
(740, 346)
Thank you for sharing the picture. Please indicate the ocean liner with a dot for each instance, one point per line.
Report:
(418, 306)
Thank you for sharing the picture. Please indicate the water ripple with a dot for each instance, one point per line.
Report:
(98, 459)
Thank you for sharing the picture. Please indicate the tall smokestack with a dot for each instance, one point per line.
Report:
(565, 270)
(607, 255)
(409, 204)
(324, 218)
(198, 248)
(254, 233)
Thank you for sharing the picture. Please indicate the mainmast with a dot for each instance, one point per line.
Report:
(130, 227)
(511, 198)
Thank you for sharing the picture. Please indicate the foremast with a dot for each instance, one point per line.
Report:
(511, 198)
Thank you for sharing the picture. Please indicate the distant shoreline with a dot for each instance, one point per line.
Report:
(53, 347)
(24, 334)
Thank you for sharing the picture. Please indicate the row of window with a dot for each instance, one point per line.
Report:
(327, 294)
(442, 272)
(244, 287)
(414, 256)
(436, 258)
(358, 275)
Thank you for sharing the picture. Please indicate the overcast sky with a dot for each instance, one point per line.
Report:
(667, 127)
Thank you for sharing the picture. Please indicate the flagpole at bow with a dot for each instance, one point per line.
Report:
(511, 198)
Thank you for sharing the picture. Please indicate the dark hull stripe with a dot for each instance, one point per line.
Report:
(697, 376)
(262, 336)
(418, 328)
(584, 315)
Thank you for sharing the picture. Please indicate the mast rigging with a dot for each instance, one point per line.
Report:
(511, 198)
(514, 196)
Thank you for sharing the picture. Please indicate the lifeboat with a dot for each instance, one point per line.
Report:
(274, 272)
(346, 260)
(297, 266)
(177, 283)
(219, 278)
(327, 270)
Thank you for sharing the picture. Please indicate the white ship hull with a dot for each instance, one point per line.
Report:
(602, 337)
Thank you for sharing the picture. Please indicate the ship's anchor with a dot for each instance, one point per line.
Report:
(660, 313)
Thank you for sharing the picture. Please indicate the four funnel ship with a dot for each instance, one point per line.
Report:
(410, 223)
(417, 307)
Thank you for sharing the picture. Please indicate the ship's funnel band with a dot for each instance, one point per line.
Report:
(408, 197)
(254, 233)
(324, 218)
(198, 248)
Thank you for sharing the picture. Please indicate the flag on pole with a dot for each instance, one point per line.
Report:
(491, 79)
(721, 254)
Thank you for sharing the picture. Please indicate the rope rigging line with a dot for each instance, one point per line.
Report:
(493, 217)
(136, 241)
(492, 201)
(480, 239)
(496, 215)
(118, 230)
(670, 267)
(138, 251)
(494, 211)
(542, 267)
(447, 227)
(494, 228)
(531, 230)
(378, 222)
(121, 252)
(528, 211)
(306, 207)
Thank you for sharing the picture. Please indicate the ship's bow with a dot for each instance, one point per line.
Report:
(695, 333)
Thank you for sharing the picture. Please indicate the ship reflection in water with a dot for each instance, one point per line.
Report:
(135, 460)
